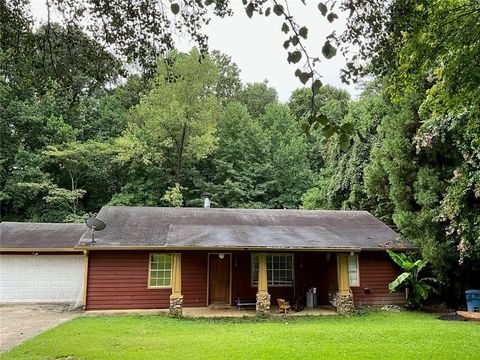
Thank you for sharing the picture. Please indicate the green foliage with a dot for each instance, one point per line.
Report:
(256, 97)
(179, 113)
(419, 288)
(240, 165)
(228, 83)
(173, 196)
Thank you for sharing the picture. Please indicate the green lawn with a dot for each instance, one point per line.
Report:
(373, 335)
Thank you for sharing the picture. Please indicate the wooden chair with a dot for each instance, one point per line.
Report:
(283, 306)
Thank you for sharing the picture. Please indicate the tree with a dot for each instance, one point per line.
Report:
(79, 161)
(229, 83)
(173, 196)
(256, 96)
(139, 31)
(180, 111)
(340, 184)
(288, 161)
(240, 163)
(330, 101)
(423, 172)
(333, 104)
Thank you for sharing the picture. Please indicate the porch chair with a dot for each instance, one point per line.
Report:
(283, 306)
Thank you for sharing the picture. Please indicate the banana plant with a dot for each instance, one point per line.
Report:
(419, 289)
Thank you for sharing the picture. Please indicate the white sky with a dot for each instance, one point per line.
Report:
(255, 44)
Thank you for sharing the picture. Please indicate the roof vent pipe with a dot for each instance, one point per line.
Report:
(206, 203)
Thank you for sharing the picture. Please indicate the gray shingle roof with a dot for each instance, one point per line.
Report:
(18, 235)
(139, 227)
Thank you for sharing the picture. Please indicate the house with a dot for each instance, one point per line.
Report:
(149, 257)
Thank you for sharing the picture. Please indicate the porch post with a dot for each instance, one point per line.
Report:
(263, 297)
(176, 299)
(344, 294)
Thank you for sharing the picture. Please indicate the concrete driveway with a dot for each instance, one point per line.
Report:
(19, 322)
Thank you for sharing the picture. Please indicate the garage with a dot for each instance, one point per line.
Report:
(39, 263)
(41, 278)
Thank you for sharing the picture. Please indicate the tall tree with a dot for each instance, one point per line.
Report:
(180, 111)
(288, 160)
(240, 163)
(229, 83)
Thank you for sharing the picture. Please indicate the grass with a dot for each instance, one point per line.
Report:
(373, 335)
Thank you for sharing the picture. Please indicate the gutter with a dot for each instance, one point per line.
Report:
(237, 248)
(26, 250)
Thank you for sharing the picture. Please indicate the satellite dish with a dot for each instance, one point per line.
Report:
(96, 225)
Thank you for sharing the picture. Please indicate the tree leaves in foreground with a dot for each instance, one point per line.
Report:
(138, 32)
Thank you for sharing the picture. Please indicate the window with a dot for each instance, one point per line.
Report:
(160, 270)
(279, 269)
(353, 275)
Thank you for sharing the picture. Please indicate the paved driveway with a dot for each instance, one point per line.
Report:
(21, 322)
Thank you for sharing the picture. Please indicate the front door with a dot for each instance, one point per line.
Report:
(219, 279)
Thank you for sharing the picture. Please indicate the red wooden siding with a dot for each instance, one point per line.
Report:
(377, 270)
(118, 279)
(194, 278)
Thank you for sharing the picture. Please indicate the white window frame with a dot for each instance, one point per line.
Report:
(353, 266)
(150, 258)
(254, 282)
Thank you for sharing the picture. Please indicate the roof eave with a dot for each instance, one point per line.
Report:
(217, 248)
(44, 249)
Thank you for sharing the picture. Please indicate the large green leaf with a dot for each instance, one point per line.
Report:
(399, 282)
(419, 265)
(421, 290)
(401, 260)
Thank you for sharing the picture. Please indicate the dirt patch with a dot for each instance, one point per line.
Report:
(19, 322)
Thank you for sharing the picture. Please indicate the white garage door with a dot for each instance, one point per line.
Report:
(41, 278)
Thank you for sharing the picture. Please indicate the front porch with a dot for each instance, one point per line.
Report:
(307, 280)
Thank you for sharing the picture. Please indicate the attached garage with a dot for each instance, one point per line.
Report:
(41, 278)
(38, 263)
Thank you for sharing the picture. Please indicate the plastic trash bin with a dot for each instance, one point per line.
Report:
(473, 300)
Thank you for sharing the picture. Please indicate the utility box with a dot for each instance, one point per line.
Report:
(312, 299)
(473, 300)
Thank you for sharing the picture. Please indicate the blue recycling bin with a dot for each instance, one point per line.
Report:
(473, 300)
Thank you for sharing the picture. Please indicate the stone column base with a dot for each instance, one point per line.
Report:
(263, 304)
(176, 305)
(345, 304)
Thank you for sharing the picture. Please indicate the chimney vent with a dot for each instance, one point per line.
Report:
(206, 203)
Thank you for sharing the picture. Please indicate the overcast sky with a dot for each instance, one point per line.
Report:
(255, 44)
